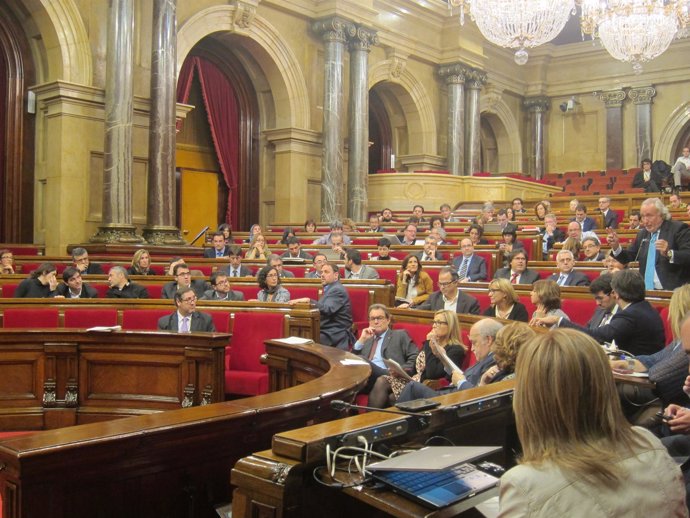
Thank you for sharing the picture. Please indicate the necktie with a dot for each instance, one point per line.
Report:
(185, 325)
(513, 278)
(650, 267)
(235, 273)
(605, 320)
(561, 279)
(374, 346)
(219, 254)
(462, 273)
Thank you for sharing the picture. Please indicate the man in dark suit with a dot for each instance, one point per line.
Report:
(430, 252)
(183, 279)
(664, 245)
(80, 260)
(121, 288)
(517, 273)
(636, 327)
(470, 267)
(586, 223)
(482, 336)
(606, 303)
(378, 342)
(592, 249)
(295, 251)
(566, 275)
(450, 296)
(276, 262)
(354, 269)
(219, 249)
(610, 217)
(186, 319)
(235, 268)
(502, 220)
(221, 289)
(647, 179)
(334, 308)
(74, 287)
(550, 234)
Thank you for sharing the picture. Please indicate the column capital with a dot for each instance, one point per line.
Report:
(334, 29)
(612, 98)
(642, 95)
(245, 12)
(476, 79)
(363, 39)
(539, 104)
(397, 61)
(454, 73)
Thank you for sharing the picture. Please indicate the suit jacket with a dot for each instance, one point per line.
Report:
(574, 278)
(587, 224)
(465, 303)
(527, 277)
(600, 257)
(130, 290)
(652, 185)
(213, 295)
(557, 237)
(170, 288)
(474, 374)
(87, 292)
(670, 274)
(397, 345)
(367, 272)
(438, 256)
(611, 219)
(287, 274)
(336, 316)
(302, 255)
(637, 329)
(210, 252)
(200, 322)
(596, 319)
(476, 270)
(244, 271)
(519, 313)
(93, 269)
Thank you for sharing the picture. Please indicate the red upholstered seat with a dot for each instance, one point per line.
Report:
(8, 290)
(483, 298)
(579, 310)
(221, 320)
(388, 272)
(249, 291)
(102, 289)
(32, 318)
(361, 299)
(297, 270)
(298, 292)
(244, 373)
(416, 331)
(155, 290)
(143, 319)
(85, 318)
(663, 313)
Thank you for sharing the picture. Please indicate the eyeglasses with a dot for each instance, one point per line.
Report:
(272, 275)
(377, 319)
(224, 281)
(189, 300)
(444, 284)
(492, 290)
(439, 323)
(181, 274)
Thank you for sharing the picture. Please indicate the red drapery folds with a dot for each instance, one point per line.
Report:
(223, 118)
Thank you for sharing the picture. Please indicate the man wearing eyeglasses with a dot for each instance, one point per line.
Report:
(186, 319)
(449, 296)
(183, 279)
(221, 289)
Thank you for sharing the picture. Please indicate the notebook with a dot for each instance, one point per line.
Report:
(437, 476)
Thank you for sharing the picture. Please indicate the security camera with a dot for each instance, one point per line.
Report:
(563, 107)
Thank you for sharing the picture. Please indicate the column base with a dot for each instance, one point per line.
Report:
(163, 236)
(115, 233)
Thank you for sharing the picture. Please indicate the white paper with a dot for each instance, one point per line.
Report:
(295, 340)
(105, 329)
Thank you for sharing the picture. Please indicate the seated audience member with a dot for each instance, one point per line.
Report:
(681, 169)
(436, 222)
(634, 220)
(476, 232)
(509, 340)
(295, 251)
(430, 252)
(141, 263)
(580, 456)
(482, 337)
(517, 272)
(226, 230)
(610, 216)
(288, 233)
(428, 366)
(505, 302)
(220, 289)
(509, 244)
(636, 327)
(319, 261)
(449, 296)
(547, 205)
(6, 262)
(414, 285)
(409, 235)
(354, 269)
(80, 260)
(219, 249)
(277, 262)
(572, 204)
(374, 224)
(186, 319)
(510, 213)
(121, 288)
(446, 213)
(606, 303)
(309, 226)
(254, 231)
(540, 211)
(183, 279)
(439, 233)
(546, 296)
(338, 245)
(174, 261)
(349, 226)
(504, 222)
(383, 246)
(592, 250)
(378, 342)
(270, 288)
(73, 287)
(42, 283)
(418, 212)
(674, 202)
(258, 249)
(518, 206)
(550, 234)
(336, 230)
(386, 216)
(236, 268)
(586, 223)
(574, 231)
(566, 274)
(574, 246)
(647, 179)
(469, 266)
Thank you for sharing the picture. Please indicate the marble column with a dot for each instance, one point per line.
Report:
(161, 196)
(474, 80)
(334, 32)
(613, 100)
(537, 107)
(117, 174)
(454, 75)
(642, 97)
(358, 152)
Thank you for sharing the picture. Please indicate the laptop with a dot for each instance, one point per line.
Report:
(392, 238)
(437, 476)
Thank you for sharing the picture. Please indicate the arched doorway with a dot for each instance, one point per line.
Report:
(380, 135)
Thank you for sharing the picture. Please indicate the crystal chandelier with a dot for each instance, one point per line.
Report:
(517, 24)
(634, 31)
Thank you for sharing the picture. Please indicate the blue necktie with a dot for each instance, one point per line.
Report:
(650, 267)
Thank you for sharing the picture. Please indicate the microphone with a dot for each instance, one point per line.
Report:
(639, 249)
(338, 404)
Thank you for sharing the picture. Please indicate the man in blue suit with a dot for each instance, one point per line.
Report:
(585, 221)
(219, 249)
(470, 267)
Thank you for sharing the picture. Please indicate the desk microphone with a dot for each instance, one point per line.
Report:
(639, 249)
(338, 404)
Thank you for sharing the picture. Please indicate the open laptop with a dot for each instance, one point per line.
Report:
(437, 476)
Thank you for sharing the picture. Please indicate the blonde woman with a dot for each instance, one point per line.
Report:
(580, 456)
(258, 248)
(141, 263)
(505, 302)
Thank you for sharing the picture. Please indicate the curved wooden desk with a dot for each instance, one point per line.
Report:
(172, 463)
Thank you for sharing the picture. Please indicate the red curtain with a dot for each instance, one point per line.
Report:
(223, 119)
